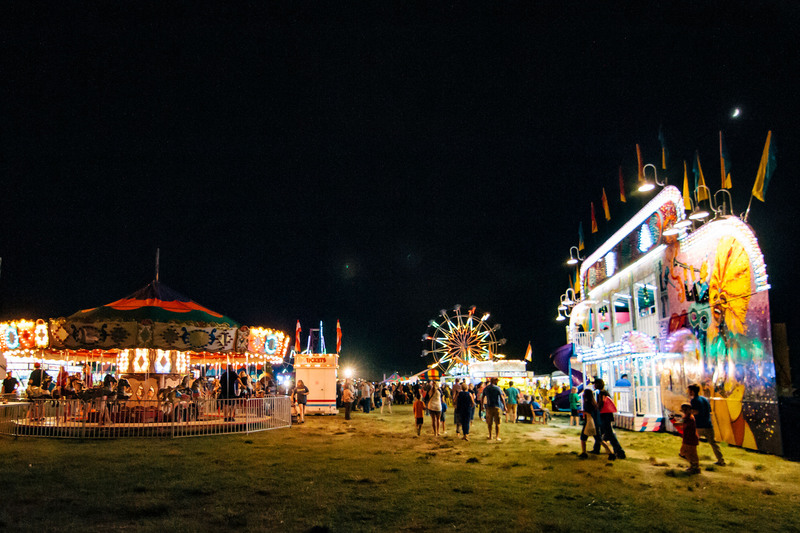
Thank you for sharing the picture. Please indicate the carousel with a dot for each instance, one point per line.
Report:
(150, 360)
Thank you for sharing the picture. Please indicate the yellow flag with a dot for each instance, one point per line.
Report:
(765, 168)
(605, 205)
(702, 189)
(577, 287)
(529, 353)
(687, 196)
(724, 165)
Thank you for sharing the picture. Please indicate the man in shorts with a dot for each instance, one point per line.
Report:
(493, 397)
(512, 393)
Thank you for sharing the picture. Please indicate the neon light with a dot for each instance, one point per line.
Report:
(123, 361)
(141, 360)
(744, 234)
(11, 336)
(271, 344)
(611, 263)
(42, 337)
(645, 238)
(600, 289)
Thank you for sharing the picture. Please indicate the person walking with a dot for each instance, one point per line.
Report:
(590, 428)
(493, 398)
(512, 394)
(435, 407)
(607, 410)
(479, 397)
(574, 406)
(347, 401)
(386, 398)
(366, 396)
(300, 397)
(419, 413)
(599, 385)
(465, 407)
(690, 439)
(701, 409)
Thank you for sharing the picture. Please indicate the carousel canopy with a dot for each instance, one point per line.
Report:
(155, 302)
(152, 317)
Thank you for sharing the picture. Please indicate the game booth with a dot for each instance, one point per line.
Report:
(149, 363)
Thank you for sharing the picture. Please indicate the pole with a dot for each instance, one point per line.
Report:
(747, 213)
(158, 253)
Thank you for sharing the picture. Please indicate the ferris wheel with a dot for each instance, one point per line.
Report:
(460, 337)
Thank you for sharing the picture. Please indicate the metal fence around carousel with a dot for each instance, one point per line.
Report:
(143, 418)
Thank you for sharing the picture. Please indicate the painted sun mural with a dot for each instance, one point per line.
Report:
(719, 306)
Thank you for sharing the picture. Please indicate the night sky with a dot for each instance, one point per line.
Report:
(371, 162)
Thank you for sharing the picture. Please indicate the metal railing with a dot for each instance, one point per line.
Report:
(143, 418)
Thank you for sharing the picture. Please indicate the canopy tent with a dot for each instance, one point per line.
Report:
(152, 317)
(154, 328)
(429, 374)
(155, 302)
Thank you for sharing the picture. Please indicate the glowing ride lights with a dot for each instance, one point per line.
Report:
(647, 185)
(574, 257)
(459, 337)
(669, 194)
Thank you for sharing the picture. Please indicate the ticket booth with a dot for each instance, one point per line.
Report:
(319, 372)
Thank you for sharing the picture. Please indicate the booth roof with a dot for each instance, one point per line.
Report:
(155, 302)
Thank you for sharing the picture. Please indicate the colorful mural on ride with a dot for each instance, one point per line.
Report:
(698, 305)
(719, 320)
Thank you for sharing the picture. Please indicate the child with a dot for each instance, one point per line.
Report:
(574, 406)
(419, 412)
(589, 427)
(690, 438)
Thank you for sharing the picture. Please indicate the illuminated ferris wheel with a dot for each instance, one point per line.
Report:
(460, 337)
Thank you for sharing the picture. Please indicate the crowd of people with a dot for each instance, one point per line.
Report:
(593, 410)
(484, 400)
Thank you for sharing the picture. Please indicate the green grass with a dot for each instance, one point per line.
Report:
(373, 473)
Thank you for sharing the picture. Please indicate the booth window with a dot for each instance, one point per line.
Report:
(622, 311)
(645, 299)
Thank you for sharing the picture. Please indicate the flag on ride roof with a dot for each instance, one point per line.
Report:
(580, 236)
(640, 172)
(594, 221)
(604, 198)
(687, 196)
(577, 287)
(765, 168)
(724, 164)
(338, 337)
(621, 187)
(297, 337)
(699, 180)
(529, 353)
(663, 148)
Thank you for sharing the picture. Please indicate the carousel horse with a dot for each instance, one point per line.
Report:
(200, 388)
(176, 401)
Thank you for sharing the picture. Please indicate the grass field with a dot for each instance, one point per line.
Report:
(373, 473)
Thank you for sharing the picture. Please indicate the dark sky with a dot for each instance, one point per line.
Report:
(370, 162)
